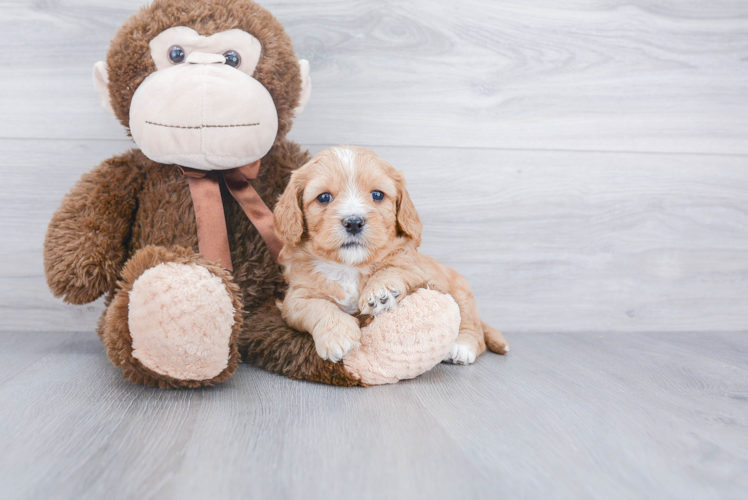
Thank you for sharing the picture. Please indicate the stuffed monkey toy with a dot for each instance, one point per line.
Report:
(177, 234)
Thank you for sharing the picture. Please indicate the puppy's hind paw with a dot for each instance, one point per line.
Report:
(462, 353)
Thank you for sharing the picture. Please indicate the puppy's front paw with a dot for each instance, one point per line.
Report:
(462, 353)
(334, 339)
(379, 298)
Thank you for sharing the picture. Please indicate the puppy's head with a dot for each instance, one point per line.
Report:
(348, 204)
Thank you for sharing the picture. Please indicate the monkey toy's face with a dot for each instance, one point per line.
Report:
(202, 108)
(199, 101)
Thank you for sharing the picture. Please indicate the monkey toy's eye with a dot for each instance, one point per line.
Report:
(176, 54)
(377, 195)
(233, 58)
(324, 198)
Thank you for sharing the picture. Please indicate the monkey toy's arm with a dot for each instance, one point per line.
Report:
(86, 243)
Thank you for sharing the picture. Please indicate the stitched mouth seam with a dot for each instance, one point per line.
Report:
(203, 126)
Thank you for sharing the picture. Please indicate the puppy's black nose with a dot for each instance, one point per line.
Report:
(353, 224)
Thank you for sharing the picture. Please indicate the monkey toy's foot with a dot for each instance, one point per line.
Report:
(174, 320)
(405, 342)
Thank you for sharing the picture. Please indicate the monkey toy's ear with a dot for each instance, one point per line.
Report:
(306, 86)
(101, 85)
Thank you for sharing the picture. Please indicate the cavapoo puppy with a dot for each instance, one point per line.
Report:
(351, 235)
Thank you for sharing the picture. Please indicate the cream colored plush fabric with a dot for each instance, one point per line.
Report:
(306, 87)
(405, 342)
(207, 116)
(180, 319)
(101, 85)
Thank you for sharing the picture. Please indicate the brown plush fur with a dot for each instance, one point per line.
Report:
(130, 213)
(272, 345)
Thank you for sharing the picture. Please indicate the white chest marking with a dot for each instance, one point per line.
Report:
(346, 277)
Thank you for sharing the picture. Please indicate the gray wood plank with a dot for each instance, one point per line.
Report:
(614, 415)
(562, 416)
(23, 349)
(634, 76)
(550, 241)
(83, 433)
(723, 346)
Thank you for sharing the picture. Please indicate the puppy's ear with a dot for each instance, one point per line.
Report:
(287, 215)
(408, 221)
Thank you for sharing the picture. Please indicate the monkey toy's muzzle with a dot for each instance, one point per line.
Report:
(203, 114)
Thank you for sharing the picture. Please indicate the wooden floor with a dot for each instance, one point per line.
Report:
(564, 416)
(583, 164)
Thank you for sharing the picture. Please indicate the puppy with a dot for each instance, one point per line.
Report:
(351, 235)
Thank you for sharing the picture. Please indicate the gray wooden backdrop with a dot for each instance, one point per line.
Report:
(583, 163)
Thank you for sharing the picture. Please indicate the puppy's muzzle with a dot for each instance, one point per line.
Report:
(353, 225)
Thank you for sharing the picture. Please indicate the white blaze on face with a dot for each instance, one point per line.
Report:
(202, 113)
(352, 204)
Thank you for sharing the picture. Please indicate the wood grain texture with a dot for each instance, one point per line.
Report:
(584, 164)
(562, 416)
(665, 76)
(558, 240)
(550, 241)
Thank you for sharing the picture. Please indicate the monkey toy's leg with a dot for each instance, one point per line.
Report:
(174, 320)
(400, 344)
(267, 342)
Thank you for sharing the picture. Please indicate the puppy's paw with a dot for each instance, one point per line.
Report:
(380, 297)
(334, 339)
(462, 353)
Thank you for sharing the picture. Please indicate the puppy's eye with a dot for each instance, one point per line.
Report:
(377, 195)
(324, 198)
(176, 54)
(233, 58)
